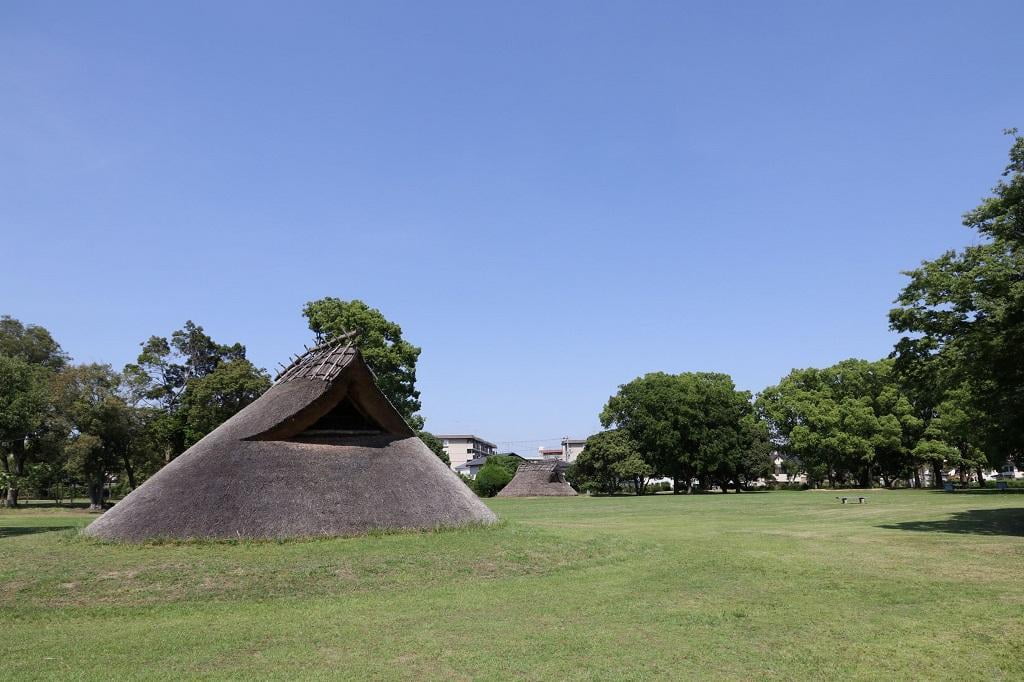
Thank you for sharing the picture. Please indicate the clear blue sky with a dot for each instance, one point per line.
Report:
(551, 198)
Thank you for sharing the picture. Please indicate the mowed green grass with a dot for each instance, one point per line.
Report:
(784, 585)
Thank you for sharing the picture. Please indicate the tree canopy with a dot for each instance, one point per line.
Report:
(389, 355)
(844, 422)
(962, 316)
(193, 384)
(688, 426)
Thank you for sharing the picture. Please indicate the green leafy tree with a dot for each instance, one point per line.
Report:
(435, 445)
(509, 463)
(192, 384)
(492, 477)
(594, 469)
(389, 355)
(686, 426)
(840, 420)
(100, 425)
(212, 399)
(751, 460)
(963, 319)
(29, 357)
(32, 343)
(24, 402)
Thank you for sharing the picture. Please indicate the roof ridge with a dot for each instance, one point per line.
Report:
(323, 361)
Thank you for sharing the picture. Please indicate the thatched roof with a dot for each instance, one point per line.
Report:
(321, 453)
(537, 479)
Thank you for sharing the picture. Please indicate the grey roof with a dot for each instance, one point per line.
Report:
(288, 466)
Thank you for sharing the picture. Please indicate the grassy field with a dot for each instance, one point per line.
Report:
(914, 584)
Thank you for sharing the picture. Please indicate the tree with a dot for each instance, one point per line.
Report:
(435, 445)
(193, 384)
(29, 357)
(594, 469)
(685, 426)
(752, 459)
(100, 425)
(509, 463)
(212, 399)
(840, 420)
(389, 355)
(492, 477)
(24, 400)
(963, 316)
(31, 343)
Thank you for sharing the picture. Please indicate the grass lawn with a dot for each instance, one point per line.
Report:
(914, 584)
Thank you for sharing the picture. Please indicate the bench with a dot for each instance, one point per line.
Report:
(948, 487)
(1001, 485)
(860, 500)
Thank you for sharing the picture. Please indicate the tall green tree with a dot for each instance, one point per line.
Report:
(24, 402)
(29, 359)
(212, 399)
(841, 421)
(193, 384)
(963, 318)
(32, 343)
(389, 355)
(686, 426)
(598, 469)
(99, 422)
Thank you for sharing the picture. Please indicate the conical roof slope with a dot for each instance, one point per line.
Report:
(321, 453)
(538, 479)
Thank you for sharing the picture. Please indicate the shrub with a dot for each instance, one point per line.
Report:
(491, 478)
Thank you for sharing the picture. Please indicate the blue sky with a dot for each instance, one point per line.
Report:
(551, 198)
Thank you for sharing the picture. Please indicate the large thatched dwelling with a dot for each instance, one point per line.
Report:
(323, 452)
(537, 479)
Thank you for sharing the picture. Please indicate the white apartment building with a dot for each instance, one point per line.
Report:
(461, 448)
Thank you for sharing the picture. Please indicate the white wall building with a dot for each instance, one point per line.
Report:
(572, 447)
(461, 448)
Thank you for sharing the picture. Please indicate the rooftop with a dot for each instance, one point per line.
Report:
(469, 436)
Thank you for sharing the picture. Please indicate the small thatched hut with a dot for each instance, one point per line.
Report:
(536, 479)
(321, 453)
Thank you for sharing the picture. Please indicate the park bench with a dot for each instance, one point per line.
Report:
(1002, 485)
(860, 500)
(948, 487)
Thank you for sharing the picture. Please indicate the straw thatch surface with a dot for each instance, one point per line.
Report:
(537, 479)
(288, 466)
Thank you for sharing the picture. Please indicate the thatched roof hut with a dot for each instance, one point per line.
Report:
(537, 479)
(321, 453)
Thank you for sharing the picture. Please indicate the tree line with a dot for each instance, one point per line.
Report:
(68, 428)
(949, 396)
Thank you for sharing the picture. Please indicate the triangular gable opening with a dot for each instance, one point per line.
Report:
(343, 420)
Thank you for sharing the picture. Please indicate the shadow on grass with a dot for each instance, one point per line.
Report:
(13, 531)
(972, 521)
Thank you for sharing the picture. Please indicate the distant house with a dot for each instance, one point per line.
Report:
(572, 447)
(461, 448)
(779, 472)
